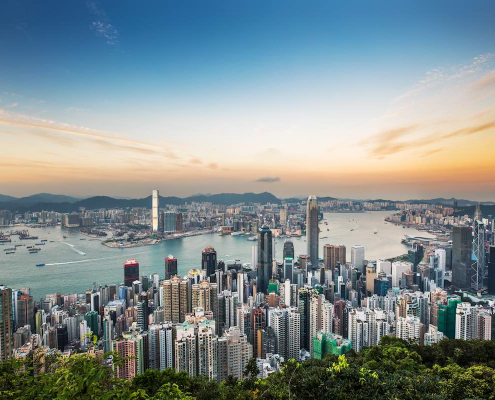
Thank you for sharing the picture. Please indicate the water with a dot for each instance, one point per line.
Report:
(72, 265)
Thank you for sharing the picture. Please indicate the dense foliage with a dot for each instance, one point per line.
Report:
(451, 369)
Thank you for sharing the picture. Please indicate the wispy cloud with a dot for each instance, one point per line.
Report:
(485, 81)
(212, 165)
(102, 26)
(268, 179)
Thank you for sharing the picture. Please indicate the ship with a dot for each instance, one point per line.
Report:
(44, 240)
(10, 249)
(252, 238)
(10, 252)
(40, 265)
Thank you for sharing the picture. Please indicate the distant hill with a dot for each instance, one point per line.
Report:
(441, 200)
(4, 198)
(68, 204)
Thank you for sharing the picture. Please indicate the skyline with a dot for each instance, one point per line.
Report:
(389, 101)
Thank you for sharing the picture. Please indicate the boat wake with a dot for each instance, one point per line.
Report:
(93, 259)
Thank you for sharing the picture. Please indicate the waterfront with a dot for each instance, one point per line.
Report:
(69, 271)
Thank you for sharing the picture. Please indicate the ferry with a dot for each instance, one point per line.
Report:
(10, 252)
(10, 249)
(252, 238)
(44, 240)
(65, 237)
(40, 265)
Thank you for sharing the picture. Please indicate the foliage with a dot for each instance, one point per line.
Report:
(451, 369)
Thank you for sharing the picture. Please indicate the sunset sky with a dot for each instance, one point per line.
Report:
(355, 99)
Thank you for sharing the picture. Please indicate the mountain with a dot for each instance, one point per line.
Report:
(4, 198)
(69, 204)
(47, 198)
(441, 200)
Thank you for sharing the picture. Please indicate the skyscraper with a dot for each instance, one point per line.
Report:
(491, 270)
(209, 261)
(479, 252)
(155, 206)
(462, 243)
(5, 323)
(357, 257)
(265, 259)
(131, 272)
(288, 249)
(170, 266)
(333, 254)
(312, 229)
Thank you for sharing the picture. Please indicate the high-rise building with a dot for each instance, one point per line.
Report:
(288, 268)
(170, 266)
(491, 270)
(479, 254)
(288, 251)
(265, 259)
(169, 221)
(357, 257)
(462, 244)
(312, 230)
(209, 261)
(155, 206)
(127, 351)
(131, 272)
(5, 323)
(333, 254)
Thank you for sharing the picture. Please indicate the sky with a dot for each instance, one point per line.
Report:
(352, 99)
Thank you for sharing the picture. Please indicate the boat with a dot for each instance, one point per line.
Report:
(65, 237)
(82, 239)
(10, 249)
(44, 240)
(39, 244)
(40, 265)
(10, 252)
(252, 238)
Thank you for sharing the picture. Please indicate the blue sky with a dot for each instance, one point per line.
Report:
(233, 91)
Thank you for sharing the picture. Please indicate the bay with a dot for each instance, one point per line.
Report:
(73, 272)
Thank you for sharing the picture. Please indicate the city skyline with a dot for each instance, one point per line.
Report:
(387, 101)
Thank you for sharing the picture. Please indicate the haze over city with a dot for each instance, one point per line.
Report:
(366, 100)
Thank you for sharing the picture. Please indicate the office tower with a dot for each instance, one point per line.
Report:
(483, 325)
(127, 351)
(131, 272)
(288, 251)
(207, 352)
(305, 295)
(258, 323)
(5, 323)
(479, 253)
(288, 268)
(491, 270)
(209, 261)
(254, 256)
(91, 318)
(312, 230)
(240, 287)
(179, 220)
(398, 268)
(462, 243)
(155, 206)
(265, 259)
(25, 311)
(333, 254)
(442, 258)
(170, 266)
(62, 336)
(169, 221)
(371, 274)
(416, 255)
(385, 266)
(107, 335)
(160, 221)
(283, 216)
(357, 257)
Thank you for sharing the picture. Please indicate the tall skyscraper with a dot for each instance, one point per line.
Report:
(265, 259)
(462, 244)
(170, 266)
(491, 270)
(155, 206)
(312, 229)
(209, 261)
(357, 257)
(333, 254)
(479, 252)
(131, 272)
(5, 323)
(288, 249)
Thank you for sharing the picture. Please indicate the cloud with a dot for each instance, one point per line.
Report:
(386, 142)
(102, 26)
(196, 161)
(212, 165)
(431, 152)
(268, 179)
(13, 105)
(484, 82)
(470, 130)
(107, 31)
(438, 76)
